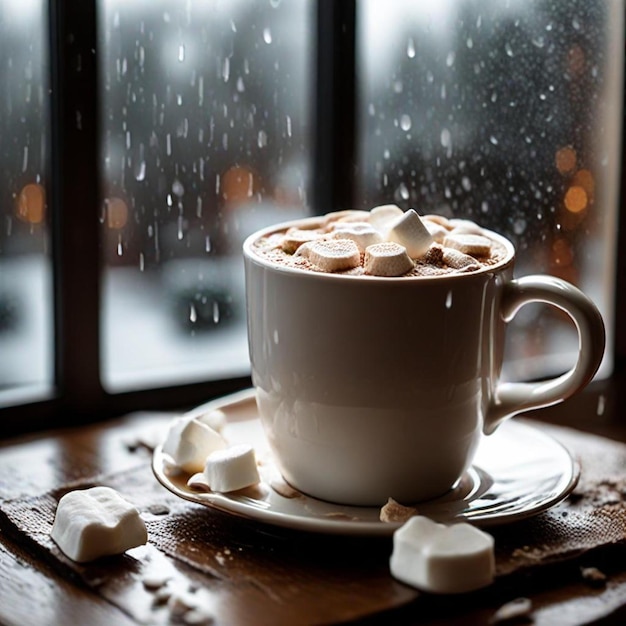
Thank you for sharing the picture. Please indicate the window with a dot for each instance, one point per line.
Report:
(26, 327)
(206, 135)
(180, 127)
(508, 113)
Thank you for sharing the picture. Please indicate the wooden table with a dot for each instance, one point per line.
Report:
(253, 575)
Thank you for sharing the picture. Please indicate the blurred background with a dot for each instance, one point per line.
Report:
(508, 113)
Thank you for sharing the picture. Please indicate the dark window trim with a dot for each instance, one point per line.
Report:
(75, 198)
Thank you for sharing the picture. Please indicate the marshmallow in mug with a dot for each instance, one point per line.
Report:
(387, 242)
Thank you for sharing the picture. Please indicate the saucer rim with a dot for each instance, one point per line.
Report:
(242, 506)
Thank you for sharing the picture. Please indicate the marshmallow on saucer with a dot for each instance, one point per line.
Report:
(231, 469)
(409, 231)
(96, 522)
(215, 419)
(442, 559)
(189, 442)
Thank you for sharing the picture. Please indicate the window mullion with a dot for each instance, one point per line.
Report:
(75, 198)
(335, 112)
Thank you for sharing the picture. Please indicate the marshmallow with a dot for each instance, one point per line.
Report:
(231, 469)
(393, 511)
(458, 260)
(295, 237)
(189, 442)
(467, 243)
(362, 233)
(442, 559)
(333, 255)
(347, 215)
(409, 231)
(437, 232)
(437, 219)
(387, 259)
(381, 217)
(215, 419)
(513, 611)
(96, 522)
(465, 226)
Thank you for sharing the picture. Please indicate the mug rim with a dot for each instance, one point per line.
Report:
(252, 256)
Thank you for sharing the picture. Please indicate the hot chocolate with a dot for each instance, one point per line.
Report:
(382, 242)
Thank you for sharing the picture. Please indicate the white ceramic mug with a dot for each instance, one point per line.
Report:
(371, 387)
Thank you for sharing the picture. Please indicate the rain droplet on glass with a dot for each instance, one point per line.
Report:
(181, 53)
(193, 314)
(178, 189)
(216, 312)
(449, 300)
(450, 59)
(410, 48)
(140, 171)
(267, 35)
(402, 192)
(405, 122)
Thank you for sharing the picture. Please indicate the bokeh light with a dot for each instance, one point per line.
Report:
(116, 213)
(31, 203)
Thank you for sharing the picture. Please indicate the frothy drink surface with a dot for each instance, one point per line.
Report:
(382, 242)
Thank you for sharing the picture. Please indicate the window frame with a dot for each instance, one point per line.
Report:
(74, 183)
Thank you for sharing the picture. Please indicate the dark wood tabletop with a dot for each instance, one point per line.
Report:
(246, 573)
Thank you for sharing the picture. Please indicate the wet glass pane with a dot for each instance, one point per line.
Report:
(206, 127)
(508, 113)
(26, 322)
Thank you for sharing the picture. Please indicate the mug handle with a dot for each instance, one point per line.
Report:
(511, 398)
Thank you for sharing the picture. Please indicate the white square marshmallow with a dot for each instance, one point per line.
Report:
(96, 522)
(442, 559)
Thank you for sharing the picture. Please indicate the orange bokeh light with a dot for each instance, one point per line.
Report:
(576, 199)
(565, 159)
(238, 184)
(116, 212)
(31, 203)
(585, 179)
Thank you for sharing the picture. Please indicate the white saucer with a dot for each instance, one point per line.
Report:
(518, 472)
